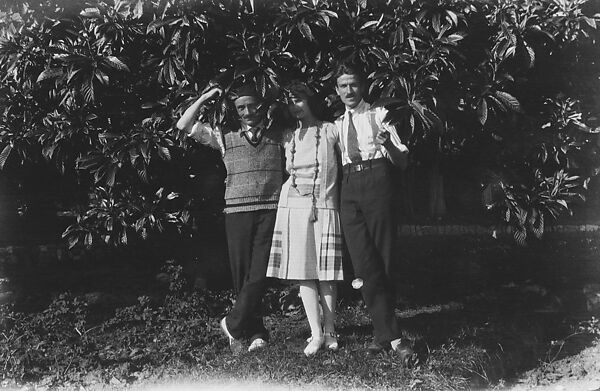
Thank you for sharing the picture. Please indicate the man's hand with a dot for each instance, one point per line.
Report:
(383, 138)
(214, 92)
(190, 116)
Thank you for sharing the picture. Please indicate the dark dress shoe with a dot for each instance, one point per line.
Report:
(235, 345)
(406, 354)
(375, 348)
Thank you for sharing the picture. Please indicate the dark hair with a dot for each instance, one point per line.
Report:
(232, 119)
(315, 102)
(346, 68)
(245, 90)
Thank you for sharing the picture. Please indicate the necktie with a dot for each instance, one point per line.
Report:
(352, 141)
(253, 135)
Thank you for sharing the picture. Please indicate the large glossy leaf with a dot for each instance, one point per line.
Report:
(520, 235)
(164, 153)
(51, 73)
(4, 155)
(87, 90)
(116, 63)
(508, 101)
(482, 111)
(306, 31)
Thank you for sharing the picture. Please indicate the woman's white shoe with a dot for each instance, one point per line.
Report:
(314, 345)
(331, 341)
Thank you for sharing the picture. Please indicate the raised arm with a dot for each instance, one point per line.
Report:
(190, 116)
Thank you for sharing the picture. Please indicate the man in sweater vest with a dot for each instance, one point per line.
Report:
(253, 158)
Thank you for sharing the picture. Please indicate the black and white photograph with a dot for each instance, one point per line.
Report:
(300, 195)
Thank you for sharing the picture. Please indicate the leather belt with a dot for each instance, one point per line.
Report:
(363, 165)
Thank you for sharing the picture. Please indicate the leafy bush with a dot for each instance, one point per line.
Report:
(95, 90)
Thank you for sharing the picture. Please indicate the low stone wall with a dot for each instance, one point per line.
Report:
(32, 256)
(480, 230)
(47, 253)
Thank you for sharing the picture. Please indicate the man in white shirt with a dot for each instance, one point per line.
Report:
(369, 148)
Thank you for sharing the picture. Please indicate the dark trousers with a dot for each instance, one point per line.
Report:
(368, 221)
(249, 236)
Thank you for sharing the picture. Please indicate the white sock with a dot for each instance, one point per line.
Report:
(328, 296)
(310, 300)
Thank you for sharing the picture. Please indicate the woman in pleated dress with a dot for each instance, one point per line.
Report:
(307, 240)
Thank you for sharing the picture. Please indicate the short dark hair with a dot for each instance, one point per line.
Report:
(347, 68)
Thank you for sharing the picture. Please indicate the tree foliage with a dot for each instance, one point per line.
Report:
(95, 89)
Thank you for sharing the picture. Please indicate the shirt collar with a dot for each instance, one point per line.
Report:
(359, 108)
(244, 127)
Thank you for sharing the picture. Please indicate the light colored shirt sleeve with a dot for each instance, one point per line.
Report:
(207, 135)
(368, 122)
(332, 132)
(380, 113)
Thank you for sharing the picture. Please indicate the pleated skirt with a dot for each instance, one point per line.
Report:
(305, 250)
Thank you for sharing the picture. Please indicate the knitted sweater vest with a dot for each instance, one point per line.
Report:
(254, 173)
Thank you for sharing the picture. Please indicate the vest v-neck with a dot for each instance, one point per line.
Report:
(253, 139)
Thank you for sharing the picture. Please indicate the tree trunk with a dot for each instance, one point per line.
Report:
(437, 201)
(407, 190)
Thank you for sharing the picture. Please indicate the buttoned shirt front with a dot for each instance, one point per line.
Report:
(368, 123)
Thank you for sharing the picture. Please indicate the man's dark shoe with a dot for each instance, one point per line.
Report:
(235, 345)
(404, 351)
(375, 348)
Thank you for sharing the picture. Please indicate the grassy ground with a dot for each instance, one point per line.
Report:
(482, 313)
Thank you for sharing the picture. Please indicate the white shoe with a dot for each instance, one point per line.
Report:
(314, 345)
(257, 344)
(331, 341)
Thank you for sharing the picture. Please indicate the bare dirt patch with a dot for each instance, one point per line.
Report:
(580, 372)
